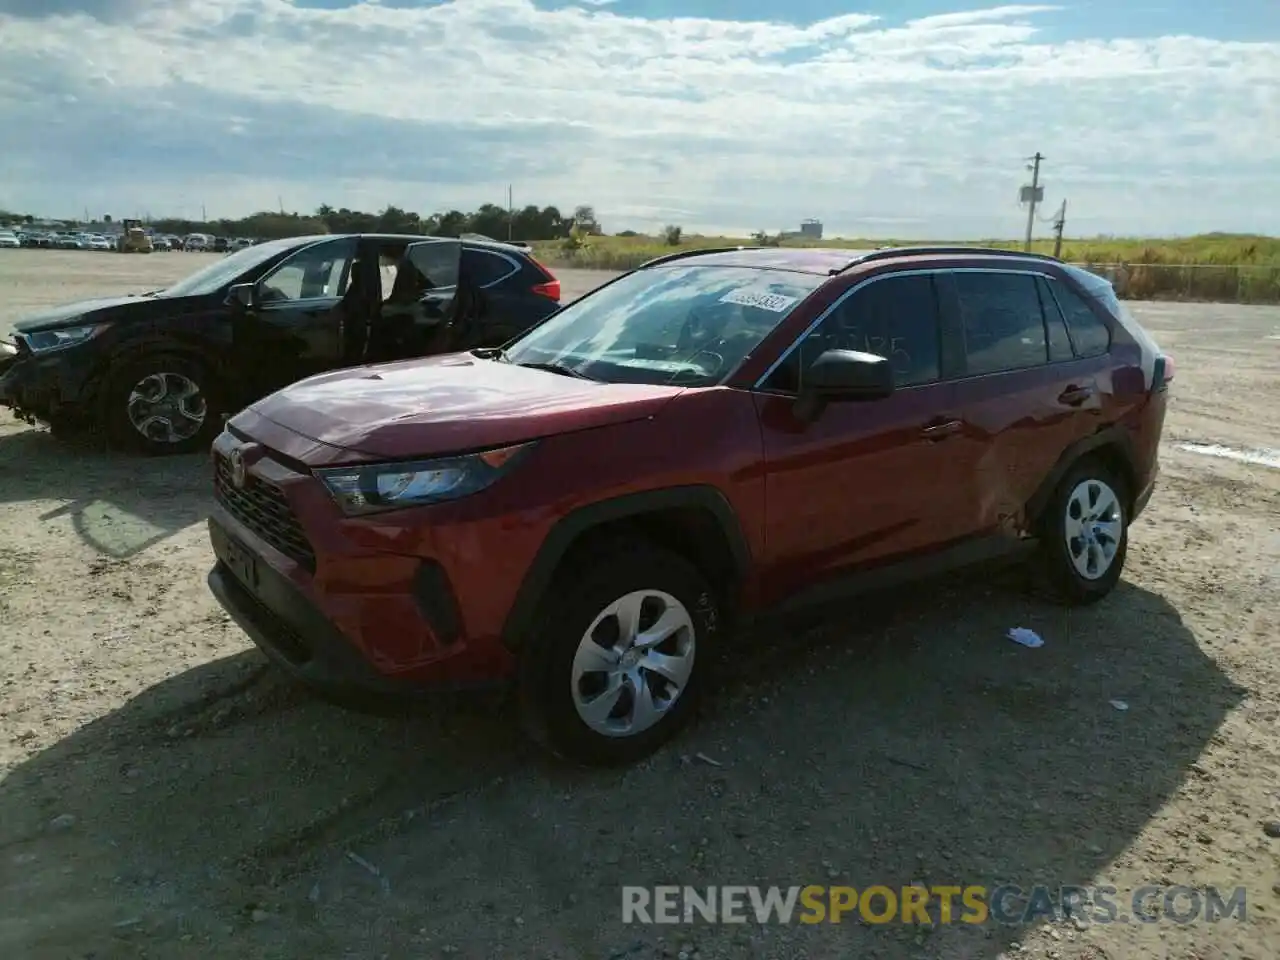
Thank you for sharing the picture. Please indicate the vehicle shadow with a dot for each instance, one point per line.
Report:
(117, 504)
(226, 813)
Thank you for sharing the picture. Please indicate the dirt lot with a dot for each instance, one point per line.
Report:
(166, 794)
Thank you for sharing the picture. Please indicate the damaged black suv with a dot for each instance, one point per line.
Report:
(158, 372)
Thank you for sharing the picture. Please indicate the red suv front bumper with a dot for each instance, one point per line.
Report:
(325, 598)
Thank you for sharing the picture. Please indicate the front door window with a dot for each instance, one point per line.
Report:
(319, 272)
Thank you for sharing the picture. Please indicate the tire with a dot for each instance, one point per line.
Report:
(1065, 571)
(172, 369)
(550, 687)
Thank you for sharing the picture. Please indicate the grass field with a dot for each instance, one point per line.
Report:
(1221, 267)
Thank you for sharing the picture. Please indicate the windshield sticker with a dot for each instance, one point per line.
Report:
(773, 302)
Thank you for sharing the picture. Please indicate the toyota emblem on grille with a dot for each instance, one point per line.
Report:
(239, 472)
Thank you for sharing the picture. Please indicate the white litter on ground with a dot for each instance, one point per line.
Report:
(1028, 638)
(1120, 704)
(1265, 458)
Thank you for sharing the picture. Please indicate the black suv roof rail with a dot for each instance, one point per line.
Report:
(890, 252)
(681, 254)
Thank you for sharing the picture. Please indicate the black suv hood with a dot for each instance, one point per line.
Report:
(98, 311)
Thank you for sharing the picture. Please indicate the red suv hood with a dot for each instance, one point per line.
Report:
(439, 405)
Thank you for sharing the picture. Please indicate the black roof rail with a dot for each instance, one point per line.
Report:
(681, 254)
(889, 253)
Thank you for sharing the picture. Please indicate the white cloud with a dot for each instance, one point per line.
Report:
(741, 125)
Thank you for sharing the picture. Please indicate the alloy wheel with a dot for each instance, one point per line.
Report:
(167, 407)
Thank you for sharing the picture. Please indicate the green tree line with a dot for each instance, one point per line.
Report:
(527, 224)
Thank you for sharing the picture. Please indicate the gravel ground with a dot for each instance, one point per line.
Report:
(166, 794)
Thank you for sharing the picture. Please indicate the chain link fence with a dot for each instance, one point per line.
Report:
(1239, 283)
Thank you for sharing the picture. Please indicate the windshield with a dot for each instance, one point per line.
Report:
(675, 324)
(221, 272)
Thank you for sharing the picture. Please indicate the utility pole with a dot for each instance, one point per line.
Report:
(204, 214)
(511, 217)
(1033, 197)
(1058, 226)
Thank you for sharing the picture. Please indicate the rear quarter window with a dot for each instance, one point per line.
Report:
(1090, 334)
(484, 268)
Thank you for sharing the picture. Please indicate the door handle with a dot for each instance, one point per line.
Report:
(1073, 396)
(940, 431)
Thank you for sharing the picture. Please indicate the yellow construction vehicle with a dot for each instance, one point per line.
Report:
(133, 239)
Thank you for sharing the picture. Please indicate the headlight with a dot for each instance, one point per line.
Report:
(371, 488)
(44, 340)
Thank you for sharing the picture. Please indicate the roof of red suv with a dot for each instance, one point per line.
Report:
(819, 260)
(827, 260)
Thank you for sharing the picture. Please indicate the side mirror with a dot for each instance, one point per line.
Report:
(244, 294)
(843, 375)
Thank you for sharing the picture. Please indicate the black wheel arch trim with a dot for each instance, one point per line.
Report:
(1112, 436)
(570, 528)
(133, 351)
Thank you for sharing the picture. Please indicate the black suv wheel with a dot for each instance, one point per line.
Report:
(163, 404)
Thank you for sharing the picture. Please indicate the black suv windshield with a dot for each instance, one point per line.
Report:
(670, 324)
(221, 272)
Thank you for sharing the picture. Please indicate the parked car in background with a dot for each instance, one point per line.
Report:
(159, 243)
(99, 242)
(9, 239)
(587, 511)
(158, 371)
(197, 242)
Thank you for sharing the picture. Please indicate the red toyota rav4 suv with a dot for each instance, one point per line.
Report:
(589, 510)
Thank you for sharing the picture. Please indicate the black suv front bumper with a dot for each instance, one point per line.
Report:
(40, 388)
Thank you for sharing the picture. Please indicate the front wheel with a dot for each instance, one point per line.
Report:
(620, 657)
(163, 404)
(1085, 534)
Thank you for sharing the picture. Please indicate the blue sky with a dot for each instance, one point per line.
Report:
(883, 119)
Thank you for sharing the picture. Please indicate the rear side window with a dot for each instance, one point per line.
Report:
(484, 268)
(1091, 336)
(1003, 325)
(895, 318)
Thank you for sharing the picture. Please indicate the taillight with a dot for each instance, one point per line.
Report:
(549, 288)
(1163, 372)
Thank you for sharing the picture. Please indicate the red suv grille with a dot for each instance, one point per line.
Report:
(262, 508)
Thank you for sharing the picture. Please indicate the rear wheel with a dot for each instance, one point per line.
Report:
(163, 404)
(621, 656)
(1085, 534)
